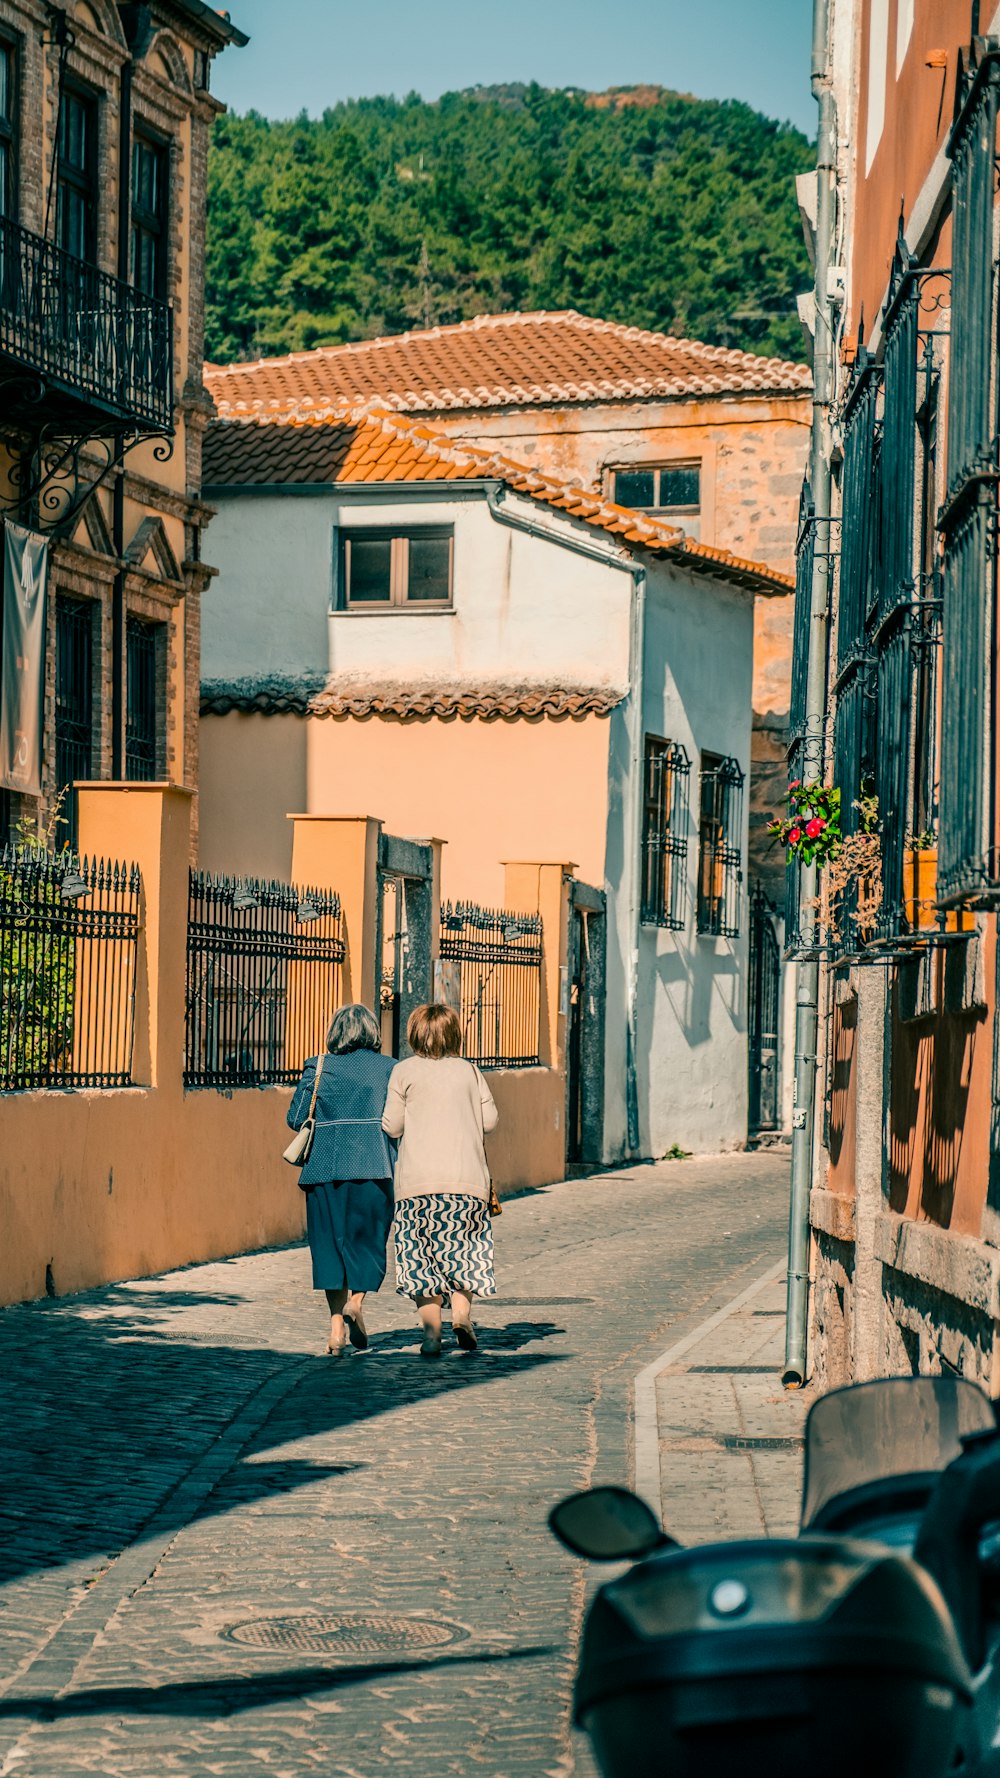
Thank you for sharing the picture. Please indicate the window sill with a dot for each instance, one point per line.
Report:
(393, 611)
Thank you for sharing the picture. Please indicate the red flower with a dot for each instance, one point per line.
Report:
(796, 785)
(814, 827)
(795, 836)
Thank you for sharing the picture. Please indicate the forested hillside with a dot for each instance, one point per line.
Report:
(643, 207)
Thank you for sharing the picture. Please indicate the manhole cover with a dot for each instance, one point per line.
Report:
(349, 1632)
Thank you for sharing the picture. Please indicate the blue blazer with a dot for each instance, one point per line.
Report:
(349, 1142)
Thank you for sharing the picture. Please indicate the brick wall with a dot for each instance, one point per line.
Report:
(166, 585)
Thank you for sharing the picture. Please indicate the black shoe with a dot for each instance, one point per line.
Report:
(465, 1334)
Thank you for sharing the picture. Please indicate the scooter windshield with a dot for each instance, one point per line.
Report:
(872, 1433)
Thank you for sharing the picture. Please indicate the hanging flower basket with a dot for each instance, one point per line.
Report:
(810, 832)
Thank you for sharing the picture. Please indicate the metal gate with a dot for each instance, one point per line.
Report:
(765, 999)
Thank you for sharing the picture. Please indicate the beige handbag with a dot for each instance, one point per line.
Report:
(299, 1149)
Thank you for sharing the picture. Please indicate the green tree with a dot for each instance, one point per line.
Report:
(648, 208)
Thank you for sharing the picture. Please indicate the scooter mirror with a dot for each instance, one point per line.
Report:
(607, 1525)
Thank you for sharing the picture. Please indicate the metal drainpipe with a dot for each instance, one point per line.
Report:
(807, 977)
(118, 495)
(637, 642)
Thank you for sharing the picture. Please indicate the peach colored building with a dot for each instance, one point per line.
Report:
(712, 439)
(414, 628)
(904, 1210)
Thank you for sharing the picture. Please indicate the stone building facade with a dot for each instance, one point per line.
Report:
(106, 116)
(906, 1172)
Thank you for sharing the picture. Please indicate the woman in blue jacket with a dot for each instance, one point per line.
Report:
(348, 1176)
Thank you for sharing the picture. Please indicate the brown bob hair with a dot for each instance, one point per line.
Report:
(434, 1031)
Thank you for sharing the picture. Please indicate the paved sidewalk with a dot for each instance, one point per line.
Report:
(729, 1435)
(187, 1482)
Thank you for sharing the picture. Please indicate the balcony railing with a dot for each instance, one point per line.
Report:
(96, 343)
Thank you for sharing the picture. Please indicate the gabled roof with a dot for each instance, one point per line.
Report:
(364, 448)
(498, 361)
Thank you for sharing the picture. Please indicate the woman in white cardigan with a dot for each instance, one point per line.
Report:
(439, 1108)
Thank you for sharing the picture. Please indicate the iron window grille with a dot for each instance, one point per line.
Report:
(497, 960)
(397, 569)
(862, 432)
(720, 846)
(76, 182)
(659, 487)
(142, 699)
(857, 605)
(264, 966)
(905, 630)
(967, 862)
(150, 213)
(666, 775)
(68, 950)
(74, 702)
(800, 765)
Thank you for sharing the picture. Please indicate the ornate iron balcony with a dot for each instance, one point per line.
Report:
(78, 346)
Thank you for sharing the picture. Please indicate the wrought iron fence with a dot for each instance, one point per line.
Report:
(497, 960)
(98, 337)
(263, 979)
(68, 946)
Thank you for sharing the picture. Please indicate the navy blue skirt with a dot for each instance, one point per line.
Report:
(348, 1223)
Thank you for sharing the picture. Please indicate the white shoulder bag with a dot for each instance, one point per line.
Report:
(299, 1149)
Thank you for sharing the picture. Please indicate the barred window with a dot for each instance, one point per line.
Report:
(664, 833)
(143, 700)
(720, 855)
(906, 626)
(74, 701)
(966, 845)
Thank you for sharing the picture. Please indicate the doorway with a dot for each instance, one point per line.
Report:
(764, 1017)
(584, 996)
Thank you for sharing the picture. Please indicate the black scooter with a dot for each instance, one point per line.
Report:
(867, 1645)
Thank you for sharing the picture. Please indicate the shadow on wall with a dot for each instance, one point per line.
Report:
(841, 1143)
(931, 1074)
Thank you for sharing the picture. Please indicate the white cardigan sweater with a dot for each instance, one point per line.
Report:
(439, 1111)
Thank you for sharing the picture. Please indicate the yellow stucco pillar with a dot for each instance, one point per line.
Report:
(542, 888)
(341, 852)
(149, 825)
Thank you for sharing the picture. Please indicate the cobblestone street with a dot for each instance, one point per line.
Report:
(181, 1464)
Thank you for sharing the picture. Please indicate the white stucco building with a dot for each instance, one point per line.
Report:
(426, 632)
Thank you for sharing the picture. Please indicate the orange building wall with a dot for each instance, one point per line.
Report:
(918, 114)
(491, 790)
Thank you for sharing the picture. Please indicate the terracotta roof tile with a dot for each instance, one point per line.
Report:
(380, 447)
(484, 703)
(514, 360)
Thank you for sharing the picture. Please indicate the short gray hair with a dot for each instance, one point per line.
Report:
(353, 1028)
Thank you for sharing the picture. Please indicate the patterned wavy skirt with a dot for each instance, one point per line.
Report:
(444, 1242)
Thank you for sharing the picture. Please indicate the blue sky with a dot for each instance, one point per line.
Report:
(307, 54)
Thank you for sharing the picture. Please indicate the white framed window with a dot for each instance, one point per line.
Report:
(673, 488)
(393, 569)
